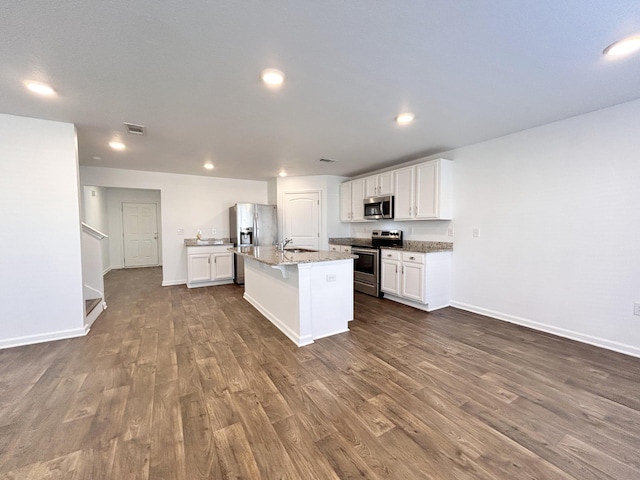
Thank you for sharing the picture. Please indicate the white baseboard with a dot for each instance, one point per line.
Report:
(561, 332)
(168, 283)
(44, 337)
(293, 336)
(427, 307)
(106, 270)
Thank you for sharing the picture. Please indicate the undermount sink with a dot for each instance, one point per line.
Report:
(298, 250)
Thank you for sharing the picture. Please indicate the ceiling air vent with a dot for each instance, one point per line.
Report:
(327, 160)
(134, 129)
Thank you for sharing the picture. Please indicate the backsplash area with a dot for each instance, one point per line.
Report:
(430, 231)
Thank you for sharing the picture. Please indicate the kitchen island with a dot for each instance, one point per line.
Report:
(307, 295)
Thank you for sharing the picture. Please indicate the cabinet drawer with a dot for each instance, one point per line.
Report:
(334, 248)
(413, 257)
(390, 254)
(346, 249)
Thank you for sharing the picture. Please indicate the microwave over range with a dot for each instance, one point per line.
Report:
(376, 208)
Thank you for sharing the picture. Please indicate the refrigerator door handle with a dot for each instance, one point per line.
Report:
(256, 240)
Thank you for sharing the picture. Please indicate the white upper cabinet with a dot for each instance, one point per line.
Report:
(351, 196)
(404, 201)
(424, 191)
(380, 184)
(421, 192)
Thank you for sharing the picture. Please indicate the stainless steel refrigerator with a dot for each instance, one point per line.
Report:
(251, 224)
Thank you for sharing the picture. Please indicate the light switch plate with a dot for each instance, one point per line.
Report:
(213, 231)
(476, 232)
(636, 308)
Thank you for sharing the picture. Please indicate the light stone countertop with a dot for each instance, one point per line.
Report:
(270, 256)
(207, 242)
(417, 246)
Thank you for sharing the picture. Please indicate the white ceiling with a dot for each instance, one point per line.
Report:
(470, 70)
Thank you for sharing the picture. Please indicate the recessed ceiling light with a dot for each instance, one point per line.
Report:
(40, 88)
(117, 145)
(623, 47)
(272, 77)
(405, 118)
(208, 166)
(283, 173)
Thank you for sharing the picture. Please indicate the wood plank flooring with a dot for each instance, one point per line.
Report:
(173, 383)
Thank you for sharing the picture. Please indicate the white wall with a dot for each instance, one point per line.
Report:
(189, 202)
(558, 208)
(115, 198)
(329, 188)
(95, 214)
(41, 269)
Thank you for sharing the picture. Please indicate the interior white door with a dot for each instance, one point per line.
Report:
(140, 234)
(302, 219)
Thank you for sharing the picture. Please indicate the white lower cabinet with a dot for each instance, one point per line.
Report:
(421, 280)
(390, 271)
(209, 265)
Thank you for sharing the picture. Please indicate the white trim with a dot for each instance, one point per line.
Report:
(212, 283)
(45, 337)
(106, 270)
(169, 283)
(561, 332)
(330, 334)
(425, 307)
(293, 336)
(93, 315)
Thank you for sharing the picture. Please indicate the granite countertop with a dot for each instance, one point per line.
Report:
(206, 242)
(418, 246)
(270, 256)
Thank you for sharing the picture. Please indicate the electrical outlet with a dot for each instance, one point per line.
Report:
(636, 308)
(450, 231)
(331, 278)
(213, 231)
(181, 231)
(476, 232)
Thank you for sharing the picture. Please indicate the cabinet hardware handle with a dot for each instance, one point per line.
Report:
(388, 255)
(412, 258)
(396, 268)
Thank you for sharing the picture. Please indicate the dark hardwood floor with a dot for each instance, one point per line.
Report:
(173, 383)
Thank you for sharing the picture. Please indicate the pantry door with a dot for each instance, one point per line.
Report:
(302, 219)
(140, 234)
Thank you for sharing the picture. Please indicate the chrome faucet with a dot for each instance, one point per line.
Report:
(283, 245)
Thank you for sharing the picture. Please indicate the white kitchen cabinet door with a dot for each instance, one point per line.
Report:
(199, 268)
(390, 276)
(404, 189)
(427, 191)
(412, 283)
(371, 186)
(345, 202)
(385, 183)
(357, 197)
(221, 266)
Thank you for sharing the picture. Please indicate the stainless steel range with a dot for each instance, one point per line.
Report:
(366, 273)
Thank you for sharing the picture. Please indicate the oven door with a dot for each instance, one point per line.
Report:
(366, 270)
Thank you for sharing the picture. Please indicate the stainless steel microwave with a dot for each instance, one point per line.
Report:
(376, 208)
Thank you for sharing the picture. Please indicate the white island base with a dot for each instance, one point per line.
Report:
(306, 301)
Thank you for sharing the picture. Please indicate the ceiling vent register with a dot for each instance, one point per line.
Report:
(134, 129)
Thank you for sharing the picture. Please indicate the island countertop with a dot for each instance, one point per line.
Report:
(270, 256)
